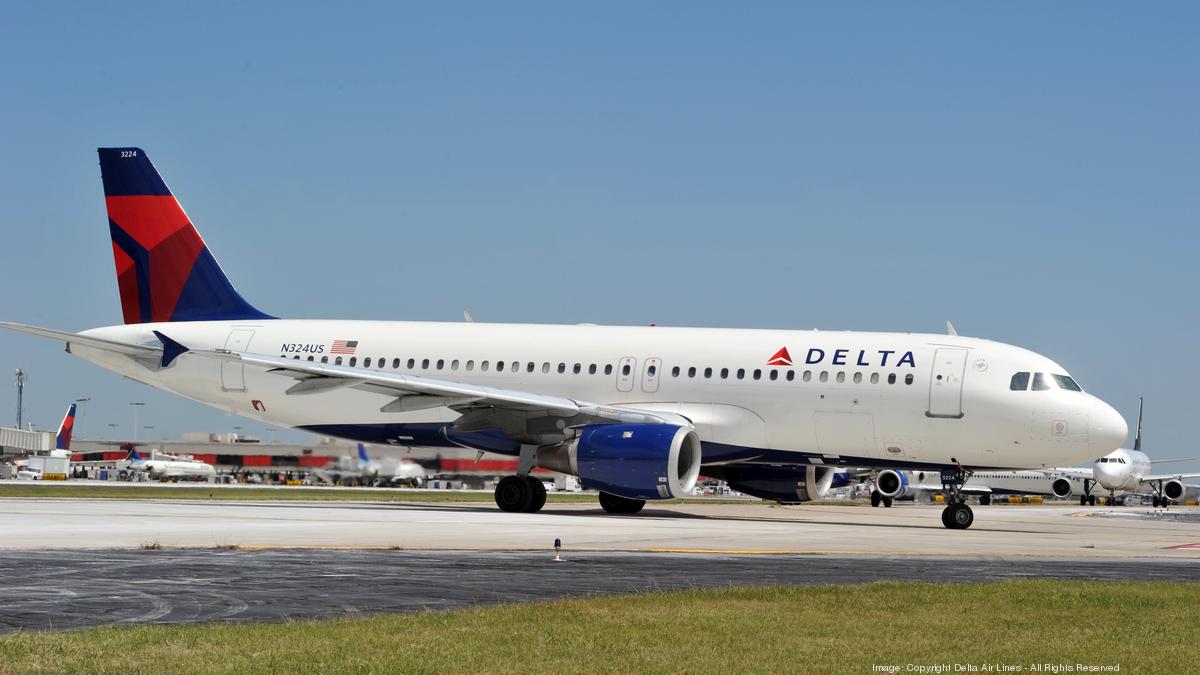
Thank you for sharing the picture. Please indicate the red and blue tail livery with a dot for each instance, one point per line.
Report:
(65, 430)
(164, 270)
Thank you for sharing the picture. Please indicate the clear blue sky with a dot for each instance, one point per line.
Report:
(1029, 171)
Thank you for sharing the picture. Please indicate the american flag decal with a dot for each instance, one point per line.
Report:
(343, 347)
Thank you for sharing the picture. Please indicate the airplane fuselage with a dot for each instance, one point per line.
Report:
(863, 399)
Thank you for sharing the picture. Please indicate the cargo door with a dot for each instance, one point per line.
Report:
(233, 374)
(946, 382)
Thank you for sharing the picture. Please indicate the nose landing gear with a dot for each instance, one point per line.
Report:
(957, 515)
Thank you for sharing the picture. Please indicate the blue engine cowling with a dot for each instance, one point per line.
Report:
(891, 483)
(638, 461)
(784, 484)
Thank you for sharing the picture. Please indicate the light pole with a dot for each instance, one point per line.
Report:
(136, 405)
(82, 415)
(20, 395)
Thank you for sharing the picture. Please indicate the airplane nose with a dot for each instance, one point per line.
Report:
(1106, 429)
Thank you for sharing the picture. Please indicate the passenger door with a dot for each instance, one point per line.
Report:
(233, 372)
(945, 383)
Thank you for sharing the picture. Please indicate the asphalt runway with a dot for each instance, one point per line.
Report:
(70, 588)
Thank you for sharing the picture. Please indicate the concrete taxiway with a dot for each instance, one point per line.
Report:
(909, 529)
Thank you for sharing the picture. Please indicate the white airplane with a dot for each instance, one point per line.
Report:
(34, 467)
(170, 467)
(986, 484)
(1129, 472)
(632, 411)
(363, 469)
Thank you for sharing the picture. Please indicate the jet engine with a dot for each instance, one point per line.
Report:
(891, 483)
(1173, 489)
(1061, 487)
(635, 461)
(785, 484)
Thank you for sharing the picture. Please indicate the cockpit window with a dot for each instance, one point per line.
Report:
(1039, 382)
(1066, 382)
(1020, 382)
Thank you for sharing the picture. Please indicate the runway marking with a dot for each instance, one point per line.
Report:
(1182, 546)
(826, 552)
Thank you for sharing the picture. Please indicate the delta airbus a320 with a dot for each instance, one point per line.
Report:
(635, 412)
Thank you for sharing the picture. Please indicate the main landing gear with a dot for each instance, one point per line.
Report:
(522, 493)
(877, 499)
(957, 515)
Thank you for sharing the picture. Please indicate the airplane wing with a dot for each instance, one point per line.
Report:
(416, 392)
(1168, 476)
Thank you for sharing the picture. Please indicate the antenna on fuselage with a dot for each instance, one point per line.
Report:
(1137, 439)
(950, 328)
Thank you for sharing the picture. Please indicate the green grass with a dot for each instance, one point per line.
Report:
(1142, 626)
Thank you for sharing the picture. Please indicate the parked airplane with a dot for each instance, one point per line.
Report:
(364, 470)
(633, 411)
(1129, 471)
(985, 484)
(170, 467)
(57, 461)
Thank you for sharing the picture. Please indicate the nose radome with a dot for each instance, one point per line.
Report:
(1107, 430)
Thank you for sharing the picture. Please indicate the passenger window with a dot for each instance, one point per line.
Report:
(367, 362)
(1020, 382)
(337, 361)
(545, 366)
(841, 377)
(310, 358)
(708, 372)
(857, 378)
(395, 364)
(824, 375)
(562, 368)
(454, 364)
(741, 373)
(908, 379)
(692, 371)
(353, 360)
(1039, 382)
(774, 374)
(757, 374)
(724, 373)
(874, 378)
(424, 364)
(411, 363)
(592, 370)
(625, 370)
(440, 363)
(891, 378)
(516, 366)
(471, 365)
(499, 366)
(808, 376)
(674, 371)
(324, 359)
(579, 369)
(791, 375)
(608, 369)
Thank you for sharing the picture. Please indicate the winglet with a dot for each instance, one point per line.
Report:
(950, 329)
(171, 349)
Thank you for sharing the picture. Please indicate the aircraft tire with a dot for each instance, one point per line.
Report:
(538, 498)
(887, 502)
(958, 516)
(1091, 500)
(876, 498)
(1083, 500)
(514, 494)
(620, 505)
(946, 517)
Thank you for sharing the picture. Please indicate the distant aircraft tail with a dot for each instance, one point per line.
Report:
(362, 454)
(133, 455)
(164, 270)
(65, 430)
